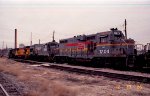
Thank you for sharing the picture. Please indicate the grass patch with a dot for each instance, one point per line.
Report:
(34, 80)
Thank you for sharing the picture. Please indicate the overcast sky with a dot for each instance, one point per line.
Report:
(71, 17)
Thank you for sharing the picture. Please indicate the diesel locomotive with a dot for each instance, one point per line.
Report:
(103, 48)
(44, 52)
(110, 48)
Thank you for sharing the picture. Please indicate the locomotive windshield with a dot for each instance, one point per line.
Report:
(118, 35)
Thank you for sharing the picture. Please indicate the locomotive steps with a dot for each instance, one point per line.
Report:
(129, 76)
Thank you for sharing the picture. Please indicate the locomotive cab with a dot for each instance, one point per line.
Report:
(52, 49)
(112, 44)
(114, 48)
(123, 46)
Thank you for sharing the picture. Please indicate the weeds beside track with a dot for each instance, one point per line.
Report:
(87, 71)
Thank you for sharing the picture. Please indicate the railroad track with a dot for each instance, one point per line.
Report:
(105, 74)
(3, 91)
(87, 71)
(7, 88)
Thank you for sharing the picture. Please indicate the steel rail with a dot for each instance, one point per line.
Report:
(5, 92)
(9, 86)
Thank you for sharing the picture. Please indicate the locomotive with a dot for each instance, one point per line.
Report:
(44, 52)
(40, 52)
(17, 53)
(142, 55)
(103, 49)
(147, 55)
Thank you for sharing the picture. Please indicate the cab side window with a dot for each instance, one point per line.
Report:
(103, 39)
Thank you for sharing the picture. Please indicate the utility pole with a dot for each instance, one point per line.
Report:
(6, 46)
(31, 39)
(125, 29)
(3, 45)
(2, 49)
(53, 36)
(39, 41)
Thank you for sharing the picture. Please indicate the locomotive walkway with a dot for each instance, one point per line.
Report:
(123, 75)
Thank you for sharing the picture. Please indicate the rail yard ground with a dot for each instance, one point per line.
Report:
(38, 81)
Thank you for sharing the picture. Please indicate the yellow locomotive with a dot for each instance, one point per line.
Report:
(19, 53)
